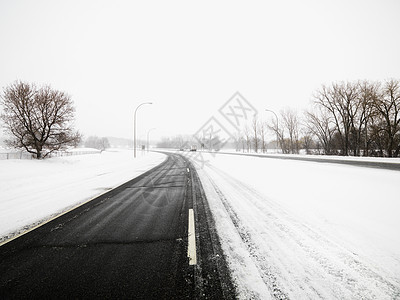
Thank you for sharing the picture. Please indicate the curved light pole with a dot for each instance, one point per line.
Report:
(148, 132)
(277, 128)
(134, 127)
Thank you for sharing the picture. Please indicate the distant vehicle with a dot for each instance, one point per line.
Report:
(193, 148)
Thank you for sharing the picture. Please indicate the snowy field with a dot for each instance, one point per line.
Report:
(305, 230)
(33, 191)
(290, 229)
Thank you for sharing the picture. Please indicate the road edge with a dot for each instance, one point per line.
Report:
(68, 210)
(208, 237)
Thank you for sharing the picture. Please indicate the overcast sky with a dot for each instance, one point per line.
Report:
(189, 58)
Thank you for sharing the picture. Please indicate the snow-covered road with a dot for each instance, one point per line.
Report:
(303, 230)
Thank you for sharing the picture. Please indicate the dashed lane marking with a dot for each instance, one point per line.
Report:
(191, 239)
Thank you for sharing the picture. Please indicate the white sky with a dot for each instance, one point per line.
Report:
(190, 57)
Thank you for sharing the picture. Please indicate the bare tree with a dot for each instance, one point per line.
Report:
(340, 101)
(247, 137)
(254, 127)
(368, 95)
(39, 120)
(279, 132)
(377, 136)
(347, 105)
(291, 123)
(365, 117)
(97, 143)
(238, 140)
(319, 123)
(307, 142)
(105, 143)
(263, 132)
(388, 107)
(243, 140)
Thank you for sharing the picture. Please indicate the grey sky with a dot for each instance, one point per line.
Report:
(190, 57)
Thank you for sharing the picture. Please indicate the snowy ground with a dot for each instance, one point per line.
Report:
(33, 191)
(308, 156)
(304, 230)
(291, 229)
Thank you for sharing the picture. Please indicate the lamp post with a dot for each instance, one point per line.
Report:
(148, 132)
(277, 128)
(134, 127)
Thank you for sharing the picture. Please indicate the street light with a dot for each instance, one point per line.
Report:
(148, 132)
(134, 127)
(277, 128)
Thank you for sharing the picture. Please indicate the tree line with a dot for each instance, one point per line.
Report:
(360, 118)
(100, 143)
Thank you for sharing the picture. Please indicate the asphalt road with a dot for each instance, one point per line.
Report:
(131, 242)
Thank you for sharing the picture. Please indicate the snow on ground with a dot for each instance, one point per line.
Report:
(290, 229)
(33, 191)
(272, 152)
(305, 230)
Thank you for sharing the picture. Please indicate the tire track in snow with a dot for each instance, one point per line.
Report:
(341, 273)
(265, 271)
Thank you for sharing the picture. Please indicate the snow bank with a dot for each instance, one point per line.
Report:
(270, 153)
(33, 191)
